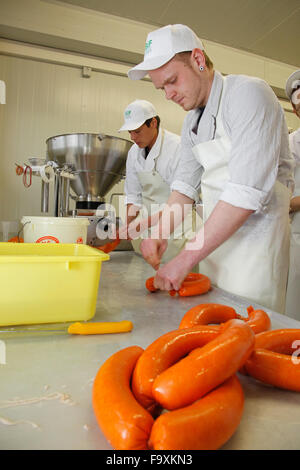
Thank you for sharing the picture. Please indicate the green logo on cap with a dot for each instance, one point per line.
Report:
(127, 114)
(148, 46)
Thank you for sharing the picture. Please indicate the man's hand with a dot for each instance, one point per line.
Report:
(152, 251)
(171, 275)
(223, 222)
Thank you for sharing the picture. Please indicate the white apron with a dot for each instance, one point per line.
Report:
(155, 191)
(293, 288)
(253, 262)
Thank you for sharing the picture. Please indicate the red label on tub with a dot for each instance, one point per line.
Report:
(47, 239)
(79, 240)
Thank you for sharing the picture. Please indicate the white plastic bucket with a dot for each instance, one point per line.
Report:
(54, 229)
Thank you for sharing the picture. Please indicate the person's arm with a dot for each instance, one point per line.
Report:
(223, 222)
(295, 204)
(165, 222)
(295, 198)
(185, 188)
(132, 211)
(133, 193)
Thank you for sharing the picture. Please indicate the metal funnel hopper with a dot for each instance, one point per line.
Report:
(99, 161)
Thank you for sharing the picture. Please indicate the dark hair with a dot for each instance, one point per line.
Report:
(148, 122)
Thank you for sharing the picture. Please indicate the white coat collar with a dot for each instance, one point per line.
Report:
(156, 149)
(214, 98)
(206, 126)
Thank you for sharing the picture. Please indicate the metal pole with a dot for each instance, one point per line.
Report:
(56, 194)
(45, 197)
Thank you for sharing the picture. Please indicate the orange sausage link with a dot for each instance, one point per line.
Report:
(272, 361)
(258, 320)
(205, 368)
(205, 425)
(193, 284)
(274, 369)
(124, 422)
(205, 314)
(280, 340)
(150, 284)
(163, 353)
(108, 247)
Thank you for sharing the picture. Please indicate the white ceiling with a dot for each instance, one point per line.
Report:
(270, 28)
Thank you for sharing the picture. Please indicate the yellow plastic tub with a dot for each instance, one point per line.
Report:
(48, 283)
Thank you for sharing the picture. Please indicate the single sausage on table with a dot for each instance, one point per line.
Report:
(163, 353)
(205, 368)
(204, 314)
(124, 422)
(193, 284)
(272, 360)
(280, 340)
(258, 320)
(205, 425)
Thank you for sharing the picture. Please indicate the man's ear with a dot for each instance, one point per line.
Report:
(153, 123)
(198, 58)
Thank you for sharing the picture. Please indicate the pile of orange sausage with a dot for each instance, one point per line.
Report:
(182, 392)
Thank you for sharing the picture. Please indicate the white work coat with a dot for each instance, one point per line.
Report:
(148, 183)
(293, 287)
(241, 145)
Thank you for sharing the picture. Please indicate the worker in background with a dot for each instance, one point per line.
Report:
(293, 288)
(150, 168)
(236, 132)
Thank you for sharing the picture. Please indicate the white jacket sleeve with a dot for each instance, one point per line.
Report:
(132, 186)
(255, 121)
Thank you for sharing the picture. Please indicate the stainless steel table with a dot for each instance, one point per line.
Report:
(46, 382)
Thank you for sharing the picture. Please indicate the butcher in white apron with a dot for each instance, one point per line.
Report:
(293, 288)
(148, 177)
(237, 134)
(256, 246)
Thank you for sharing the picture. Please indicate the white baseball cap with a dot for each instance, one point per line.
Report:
(136, 114)
(292, 83)
(161, 46)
